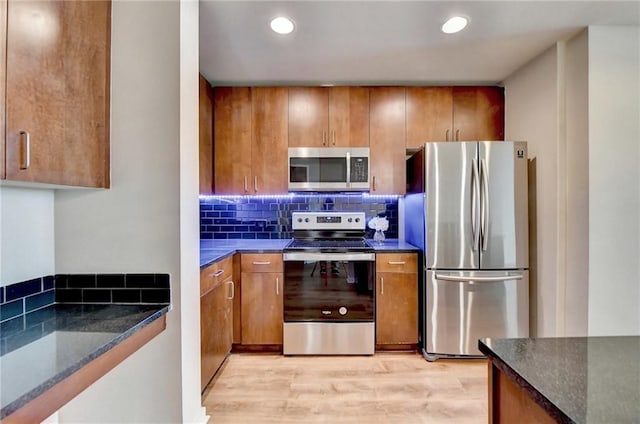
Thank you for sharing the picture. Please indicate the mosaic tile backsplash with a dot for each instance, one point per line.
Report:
(237, 217)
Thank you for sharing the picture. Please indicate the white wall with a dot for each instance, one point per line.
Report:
(614, 180)
(136, 225)
(531, 114)
(26, 234)
(576, 164)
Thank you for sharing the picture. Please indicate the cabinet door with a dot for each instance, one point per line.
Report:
(262, 313)
(57, 93)
(478, 113)
(232, 140)
(205, 131)
(216, 329)
(308, 117)
(387, 140)
(429, 115)
(269, 140)
(396, 308)
(348, 117)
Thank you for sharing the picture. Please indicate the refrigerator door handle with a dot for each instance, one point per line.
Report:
(475, 191)
(458, 278)
(484, 205)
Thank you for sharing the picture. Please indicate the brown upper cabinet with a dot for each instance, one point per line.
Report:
(454, 114)
(387, 146)
(328, 117)
(205, 134)
(250, 140)
(57, 92)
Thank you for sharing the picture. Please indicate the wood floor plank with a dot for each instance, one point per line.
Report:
(390, 388)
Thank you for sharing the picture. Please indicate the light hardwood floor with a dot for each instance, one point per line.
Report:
(390, 388)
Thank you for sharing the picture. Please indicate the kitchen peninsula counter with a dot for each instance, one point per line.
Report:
(76, 345)
(583, 380)
(214, 250)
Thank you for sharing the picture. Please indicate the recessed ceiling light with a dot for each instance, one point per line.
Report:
(282, 25)
(455, 24)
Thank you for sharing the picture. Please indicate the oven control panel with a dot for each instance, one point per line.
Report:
(328, 220)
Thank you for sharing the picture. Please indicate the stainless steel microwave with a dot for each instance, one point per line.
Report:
(328, 169)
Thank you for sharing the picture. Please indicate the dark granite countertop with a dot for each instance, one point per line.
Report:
(214, 250)
(583, 380)
(73, 336)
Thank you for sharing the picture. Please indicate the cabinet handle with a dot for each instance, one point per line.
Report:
(457, 135)
(217, 273)
(373, 183)
(255, 183)
(324, 138)
(277, 286)
(246, 188)
(446, 135)
(261, 262)
(26, 150)
(381, 285)
(334, 137)
(396, 262)
(233, 290)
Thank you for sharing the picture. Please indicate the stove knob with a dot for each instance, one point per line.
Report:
(306, 220)
(342, 310)
(357, 219)
(299, 219)
(349, 219)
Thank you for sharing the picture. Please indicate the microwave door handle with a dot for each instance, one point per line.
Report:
(348, 169)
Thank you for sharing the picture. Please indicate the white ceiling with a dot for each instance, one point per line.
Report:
(388, 42)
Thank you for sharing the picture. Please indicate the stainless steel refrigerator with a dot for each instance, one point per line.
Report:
(470, 217)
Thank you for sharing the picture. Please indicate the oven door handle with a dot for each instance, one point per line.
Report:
(320, 256)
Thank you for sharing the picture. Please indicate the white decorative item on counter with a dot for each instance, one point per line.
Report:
(380, 224)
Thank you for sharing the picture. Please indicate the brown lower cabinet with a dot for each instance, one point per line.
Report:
(509, 403)
(396, 300)
(261, 303)
(217, 291)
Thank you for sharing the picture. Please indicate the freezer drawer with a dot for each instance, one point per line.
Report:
(463, 306)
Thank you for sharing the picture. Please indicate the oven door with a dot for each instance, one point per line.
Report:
(329, 287)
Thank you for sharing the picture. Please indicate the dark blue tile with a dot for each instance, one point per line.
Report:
(155, 295)
(205, 207)
(23, 289)
(234, 235)
(140, 281)
(125, 296)
(219, 221)
(241, 228)
(48, 282)
(81, 281)
(110, 281)
(61, 281)
(68, 295)
(206, 236)
(212, 214)
(11, 309)
(39, 300)
(232, 207)
(249, 236)
(96, 296)
(220, 207)
(39, 316)
(206, 221)
(219, 236)
(163, 281)
(12, 326)
(2, 294)
(227, 214)
(262, 235)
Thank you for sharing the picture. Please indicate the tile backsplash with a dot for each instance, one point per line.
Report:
(269, 217)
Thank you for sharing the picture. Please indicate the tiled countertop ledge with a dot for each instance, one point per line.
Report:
(579, 380)
(72, 336)
(214, 250)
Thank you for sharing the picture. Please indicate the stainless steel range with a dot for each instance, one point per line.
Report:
(329, 286)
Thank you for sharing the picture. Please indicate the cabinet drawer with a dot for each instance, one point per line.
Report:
(215, 273)
(261, 262)
(397, 262)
